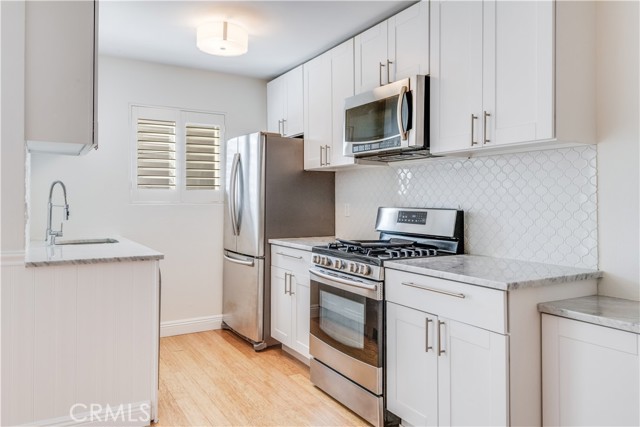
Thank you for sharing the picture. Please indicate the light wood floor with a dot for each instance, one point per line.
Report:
(216, 379)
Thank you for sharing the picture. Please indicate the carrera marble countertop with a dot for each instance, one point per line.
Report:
(497, 273)
(304, 243)
(40, 255)
(611, 312)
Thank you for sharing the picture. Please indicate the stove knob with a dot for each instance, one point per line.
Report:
(339, 264)
(364, 270)
(316, 259)
(353, 267)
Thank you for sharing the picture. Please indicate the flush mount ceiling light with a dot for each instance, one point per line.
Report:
(222, 38)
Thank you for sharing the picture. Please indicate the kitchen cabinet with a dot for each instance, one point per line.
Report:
(590, 374)
(441, 371)
(463, 354)
(290, 298)
(511, 75)
(285, 103)
(80, 334)
(394, 49)
(60, 76)
(328, 80)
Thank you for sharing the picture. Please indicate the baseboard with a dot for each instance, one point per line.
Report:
(12, 258)
(132, 414)
(188, 326)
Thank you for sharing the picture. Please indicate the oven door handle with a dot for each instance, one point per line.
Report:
(344, 281)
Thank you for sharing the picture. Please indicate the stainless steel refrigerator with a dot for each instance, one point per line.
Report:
(267, 195)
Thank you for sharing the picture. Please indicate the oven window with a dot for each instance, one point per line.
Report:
(343, 319)
(350, 323)
(373, 121)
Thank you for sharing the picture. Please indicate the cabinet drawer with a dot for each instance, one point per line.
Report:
(294, 260)
(482, 307)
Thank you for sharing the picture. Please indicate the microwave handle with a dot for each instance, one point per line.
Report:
(401, 99)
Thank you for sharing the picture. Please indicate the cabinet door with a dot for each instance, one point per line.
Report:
(300, 313)
(408, 42)
(293, 117)
(60, 76)
(456, 75)
(371, 58)
(342, 87)
(317, 116)
(280, 306)
(275, 104)
(518, 65)
(412, 365)
(590, 374)
(472, 375)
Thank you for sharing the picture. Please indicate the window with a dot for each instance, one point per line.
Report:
(177, 156)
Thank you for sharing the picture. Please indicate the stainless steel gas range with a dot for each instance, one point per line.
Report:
(347, 302)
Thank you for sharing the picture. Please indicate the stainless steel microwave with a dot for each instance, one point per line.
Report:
(390, 122)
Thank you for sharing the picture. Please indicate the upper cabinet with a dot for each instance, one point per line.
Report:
(328, 80)
(511, 75)
(60, 76)
(394, 49)
(284, 103)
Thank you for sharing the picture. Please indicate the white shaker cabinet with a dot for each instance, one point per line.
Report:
(290, 298)
(328, 80)
(394, 49)
(60, 76)
(511, 75)
(590, 374)
(285, 103)
(441, 371)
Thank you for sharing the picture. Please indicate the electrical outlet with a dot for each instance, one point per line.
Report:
(347, 209)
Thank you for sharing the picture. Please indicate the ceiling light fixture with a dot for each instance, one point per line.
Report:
(222, 38)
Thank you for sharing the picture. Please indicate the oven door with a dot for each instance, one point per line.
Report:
(346, 325)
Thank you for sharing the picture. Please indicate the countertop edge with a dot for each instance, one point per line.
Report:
(93, 260)
(487, 283)
(302, 243)
(560, 309)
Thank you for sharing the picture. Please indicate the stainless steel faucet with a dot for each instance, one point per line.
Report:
(52, 234)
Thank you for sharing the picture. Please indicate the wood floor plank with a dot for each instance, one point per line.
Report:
(214, 378)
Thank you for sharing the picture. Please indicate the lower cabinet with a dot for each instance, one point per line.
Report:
(290, 298)
(590, 374)
(444, 372)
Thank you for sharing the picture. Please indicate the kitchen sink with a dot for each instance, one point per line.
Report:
(85, 241)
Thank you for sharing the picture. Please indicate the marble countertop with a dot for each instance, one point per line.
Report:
(40, 255)
(497, 273)
(611, 312)
(304, 243)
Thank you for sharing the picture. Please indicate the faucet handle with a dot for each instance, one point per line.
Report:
(66, 213)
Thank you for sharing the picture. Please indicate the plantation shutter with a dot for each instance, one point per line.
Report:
(156, 154)
(202, 158)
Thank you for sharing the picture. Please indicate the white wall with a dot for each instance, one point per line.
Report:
(98, 184)
(618, 153)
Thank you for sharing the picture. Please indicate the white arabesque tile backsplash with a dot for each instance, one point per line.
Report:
(536, 206)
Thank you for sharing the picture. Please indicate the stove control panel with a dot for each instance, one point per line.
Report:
(352, 267)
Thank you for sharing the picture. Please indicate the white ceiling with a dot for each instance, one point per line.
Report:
(282, 34)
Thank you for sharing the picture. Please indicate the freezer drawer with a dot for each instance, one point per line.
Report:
(243, 295)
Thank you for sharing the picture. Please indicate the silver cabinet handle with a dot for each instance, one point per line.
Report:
(438, 291)
(283, 122)
(286, 282)
(280, 126)
(389, 69)
(327, 156)
(322, 148)
(290, 256)
(427, 347)
(473, 118)
(291, 284)
(440, 349)
(484, 127)
(380, 73)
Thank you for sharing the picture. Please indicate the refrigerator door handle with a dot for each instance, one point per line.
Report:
(239, 261)
(233, 194)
